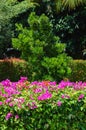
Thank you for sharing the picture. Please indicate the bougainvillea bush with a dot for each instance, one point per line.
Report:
(42, 105)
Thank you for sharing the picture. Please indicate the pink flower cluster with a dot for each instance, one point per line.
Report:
(74, 85)
(59, 103)
(26, 95)
(81, 96)
(9, 115)
(45, 96)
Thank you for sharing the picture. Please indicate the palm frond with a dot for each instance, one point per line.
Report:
(69, 4)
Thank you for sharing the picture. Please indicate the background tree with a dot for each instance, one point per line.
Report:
(70, 27)
(9, 10)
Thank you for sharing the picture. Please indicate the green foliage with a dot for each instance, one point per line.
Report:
(56, 68)
(42, 49)
(68, 24)
(6, 33)
(9, 9)
(13, 69)
(71, 29)
(78, 70)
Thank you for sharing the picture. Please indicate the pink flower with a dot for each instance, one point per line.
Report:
(63, 96)
(23, 79)
(16, 116)
(67, 96)
(59, 103)
(6, 82)
(80, 97)
(21, 100)
(45, 96)
(1, 103)
(64, 84)
(11, 104)
(19, 105)
(8, 100)
(31, 97)
(37, 90)
(9, 115)
(32, 105)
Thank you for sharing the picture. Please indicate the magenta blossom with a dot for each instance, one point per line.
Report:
(80, 97)
(6, 83)
(9, 115)
(8, 100)
(32, 105)
(23, 79)
(1, 103)
(16, 116)
(11, 104)
(64, 84)
(45, 96)
(37, 90)
(65, 96)
(31, 97)
(59, 103)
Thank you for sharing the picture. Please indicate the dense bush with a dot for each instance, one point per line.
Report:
(42, 49)
(42, 105)
(78, 70)
(13, 69)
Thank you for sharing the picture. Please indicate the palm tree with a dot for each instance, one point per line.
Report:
(69, 4)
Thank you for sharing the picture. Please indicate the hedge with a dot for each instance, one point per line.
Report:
(78, 68)
(12, 69)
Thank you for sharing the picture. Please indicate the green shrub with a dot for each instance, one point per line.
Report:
(42, 49)
(12, 69)
(78, 70)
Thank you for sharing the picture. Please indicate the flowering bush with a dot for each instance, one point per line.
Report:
(42, 105)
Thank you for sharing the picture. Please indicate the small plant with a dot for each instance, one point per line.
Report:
(42, 49)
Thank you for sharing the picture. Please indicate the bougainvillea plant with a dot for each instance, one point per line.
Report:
(42, 105)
